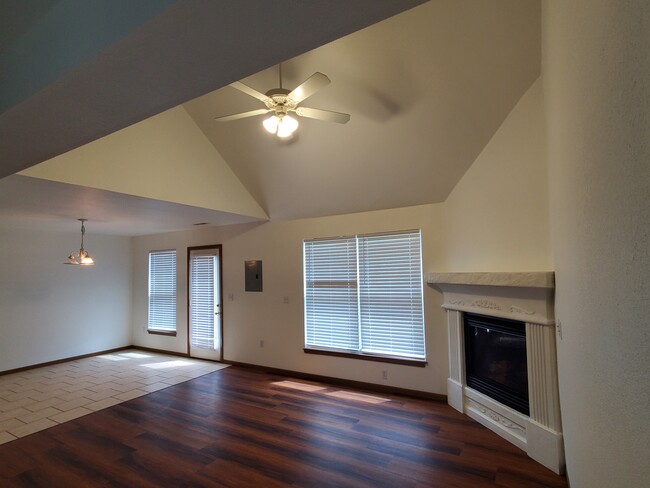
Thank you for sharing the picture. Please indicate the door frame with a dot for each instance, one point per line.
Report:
(219, 247)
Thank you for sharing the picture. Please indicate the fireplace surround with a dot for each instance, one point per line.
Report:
(527, 298)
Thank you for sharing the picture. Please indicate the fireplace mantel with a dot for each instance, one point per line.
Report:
(529, 279)
(524, 296)
(527, 297)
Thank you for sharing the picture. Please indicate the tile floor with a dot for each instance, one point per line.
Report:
(39, 398)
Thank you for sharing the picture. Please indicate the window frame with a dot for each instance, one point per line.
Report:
(157, 329)
(308, 277)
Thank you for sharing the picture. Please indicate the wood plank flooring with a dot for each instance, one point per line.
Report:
(239, 428)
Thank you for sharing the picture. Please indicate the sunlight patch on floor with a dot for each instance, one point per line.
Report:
(178, 363)
(298, 386)
(343, 395)
(360, 397)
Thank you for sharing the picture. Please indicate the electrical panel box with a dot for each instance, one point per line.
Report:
(253, 275)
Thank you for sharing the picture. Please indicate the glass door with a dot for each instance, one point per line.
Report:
(204, 296)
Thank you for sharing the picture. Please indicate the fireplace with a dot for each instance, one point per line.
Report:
(502, 357)
(495, 359)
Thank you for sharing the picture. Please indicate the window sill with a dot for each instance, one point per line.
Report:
(162, 332)
(420, 363)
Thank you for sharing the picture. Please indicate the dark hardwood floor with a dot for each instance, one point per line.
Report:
(236, 428)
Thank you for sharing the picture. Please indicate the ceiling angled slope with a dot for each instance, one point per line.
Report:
(426, 90)
(186, 50)
(165, 157)
(44, 205)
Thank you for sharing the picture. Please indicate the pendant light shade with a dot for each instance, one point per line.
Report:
(81, 257)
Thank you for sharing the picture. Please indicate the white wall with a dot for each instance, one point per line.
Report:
(50, 311)
(496, 218)
(596, 76)
(251, 317)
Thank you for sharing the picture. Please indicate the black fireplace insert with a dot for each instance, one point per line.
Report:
(495, 359)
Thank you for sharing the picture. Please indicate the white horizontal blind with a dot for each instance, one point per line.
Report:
(390, 295)
(331, 313)
(162, 290)
(202, 309)
(363, 294)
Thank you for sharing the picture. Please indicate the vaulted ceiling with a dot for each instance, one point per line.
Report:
(426, 90)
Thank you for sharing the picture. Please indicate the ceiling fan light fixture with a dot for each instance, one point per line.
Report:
(271, 124)
(287, 126)
(281, 125)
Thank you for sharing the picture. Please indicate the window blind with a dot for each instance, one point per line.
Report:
(363, 294)
(202, 307)
(162, 290)
(390, 295)
(331, 303)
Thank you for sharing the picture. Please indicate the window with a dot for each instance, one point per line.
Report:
(363, 295)
(162, 291)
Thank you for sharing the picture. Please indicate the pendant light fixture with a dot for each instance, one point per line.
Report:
(81, 257)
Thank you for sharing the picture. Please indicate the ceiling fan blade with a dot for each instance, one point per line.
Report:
(250, 91)
(327, 115)
(310, 86)
(242, 115)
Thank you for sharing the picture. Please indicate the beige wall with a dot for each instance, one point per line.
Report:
(596, 71)
(51, 311)
(503, 197)
(251, 317)
(496, 218)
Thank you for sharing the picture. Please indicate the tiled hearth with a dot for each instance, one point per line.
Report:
(526, 297)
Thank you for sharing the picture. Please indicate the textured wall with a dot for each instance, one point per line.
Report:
(251, 317)
(50, 311)
(596, 75)
(496, 218)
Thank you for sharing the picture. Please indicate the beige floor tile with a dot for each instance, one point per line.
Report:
(9, 424)
(82, 385)
(38, 415)
(124, 387)
(43, 397)
(32, 427)
(105, 403)
(100, 395)
(6, 437)
(11, 414)
(72, 404)
(70, 415)
(22, 403)
(77, 394)
(130, 395)
(155, 387)
(49, 402)
(150, 380)
(20, 395)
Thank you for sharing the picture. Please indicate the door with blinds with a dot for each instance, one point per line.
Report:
(204, 283)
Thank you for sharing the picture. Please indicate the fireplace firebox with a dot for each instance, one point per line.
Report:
(495, 359)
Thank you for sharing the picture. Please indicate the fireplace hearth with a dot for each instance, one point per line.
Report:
(512, 388)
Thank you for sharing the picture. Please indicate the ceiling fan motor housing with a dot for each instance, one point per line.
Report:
(279, 101)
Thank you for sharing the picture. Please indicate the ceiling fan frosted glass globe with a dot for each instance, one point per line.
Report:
(287, 126)
(271, 124)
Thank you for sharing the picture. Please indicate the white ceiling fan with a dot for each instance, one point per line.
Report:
(281, 101)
